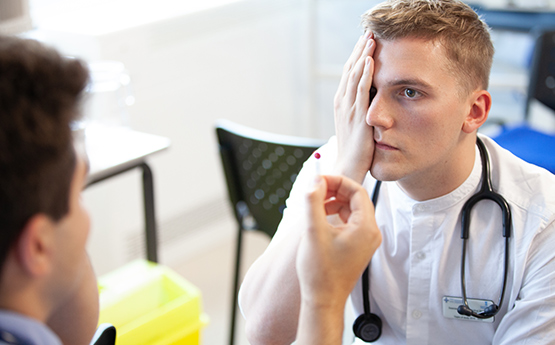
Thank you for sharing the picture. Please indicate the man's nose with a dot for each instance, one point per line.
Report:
(379, 113)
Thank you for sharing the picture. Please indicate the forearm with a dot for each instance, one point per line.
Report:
(270, 297)
(320, 325)
(355, 137)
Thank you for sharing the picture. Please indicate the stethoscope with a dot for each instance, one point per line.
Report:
(368, 326)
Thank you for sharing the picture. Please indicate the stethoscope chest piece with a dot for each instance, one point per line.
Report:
(368, 327)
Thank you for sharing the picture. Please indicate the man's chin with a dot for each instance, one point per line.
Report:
(380, 173)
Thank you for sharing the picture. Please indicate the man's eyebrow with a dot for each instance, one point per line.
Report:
(409, 82)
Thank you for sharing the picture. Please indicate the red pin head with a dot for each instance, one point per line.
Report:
(317, 156)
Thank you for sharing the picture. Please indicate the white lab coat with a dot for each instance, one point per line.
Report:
(419, 261)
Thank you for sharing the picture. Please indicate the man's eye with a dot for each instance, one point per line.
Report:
(410, 93)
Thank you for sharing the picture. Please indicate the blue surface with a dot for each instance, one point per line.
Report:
(513, 19)
(532, 146)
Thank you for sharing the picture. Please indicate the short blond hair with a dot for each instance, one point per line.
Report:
(452, 23)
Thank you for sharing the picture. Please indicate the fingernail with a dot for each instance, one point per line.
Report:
(367, 34)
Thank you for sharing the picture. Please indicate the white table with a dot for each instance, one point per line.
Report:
(115, 150)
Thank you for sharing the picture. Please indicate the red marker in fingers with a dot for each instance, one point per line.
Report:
(317, 156)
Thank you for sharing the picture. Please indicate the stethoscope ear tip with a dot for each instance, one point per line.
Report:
(464, 310)
(487, 313)
(491, 310)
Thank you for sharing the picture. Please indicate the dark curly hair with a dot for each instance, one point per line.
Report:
(40, 94)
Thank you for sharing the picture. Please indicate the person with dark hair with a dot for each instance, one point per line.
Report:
(467, 229)
(48, 290)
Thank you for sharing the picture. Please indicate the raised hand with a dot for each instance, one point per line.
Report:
(355, 137)
(331, 258)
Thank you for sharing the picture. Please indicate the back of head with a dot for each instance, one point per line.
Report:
(452, 23)
(40, 93)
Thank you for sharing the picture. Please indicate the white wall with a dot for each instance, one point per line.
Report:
(241, 61)
(244, 60)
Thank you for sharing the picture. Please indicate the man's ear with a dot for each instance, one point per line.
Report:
(36, 244)
(480, 105)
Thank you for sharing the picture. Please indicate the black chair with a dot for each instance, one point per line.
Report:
(105, 335)
(525, 142)
(260, 169)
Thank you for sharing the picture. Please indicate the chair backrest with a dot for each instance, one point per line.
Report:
(260, 168)
(542, 72)
(105, 335)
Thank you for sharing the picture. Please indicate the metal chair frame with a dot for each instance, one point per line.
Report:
(260, 168)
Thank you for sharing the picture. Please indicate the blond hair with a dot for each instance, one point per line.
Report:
(463, 35)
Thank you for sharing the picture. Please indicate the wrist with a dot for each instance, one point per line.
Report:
(351, 172)
(326, 302)
(320, 324)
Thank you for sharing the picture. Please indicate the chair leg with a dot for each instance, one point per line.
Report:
(235, 286)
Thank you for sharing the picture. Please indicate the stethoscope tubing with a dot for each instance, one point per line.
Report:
(365, 275)
(486, 192)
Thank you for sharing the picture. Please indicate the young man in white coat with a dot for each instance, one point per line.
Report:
(409, 104)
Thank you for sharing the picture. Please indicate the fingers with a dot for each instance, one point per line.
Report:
(354, 81)
(355, 55)
(347, 196)
(349, 200)
(342, 188)
(352, 101)
(357, 51)
(363, 90)
(354, 65)
(353, 205)
(340, 208)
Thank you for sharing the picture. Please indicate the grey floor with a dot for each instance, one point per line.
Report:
(211, 270)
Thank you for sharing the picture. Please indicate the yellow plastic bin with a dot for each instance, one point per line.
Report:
(152, 305)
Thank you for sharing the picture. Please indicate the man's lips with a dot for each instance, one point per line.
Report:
(383, 146)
